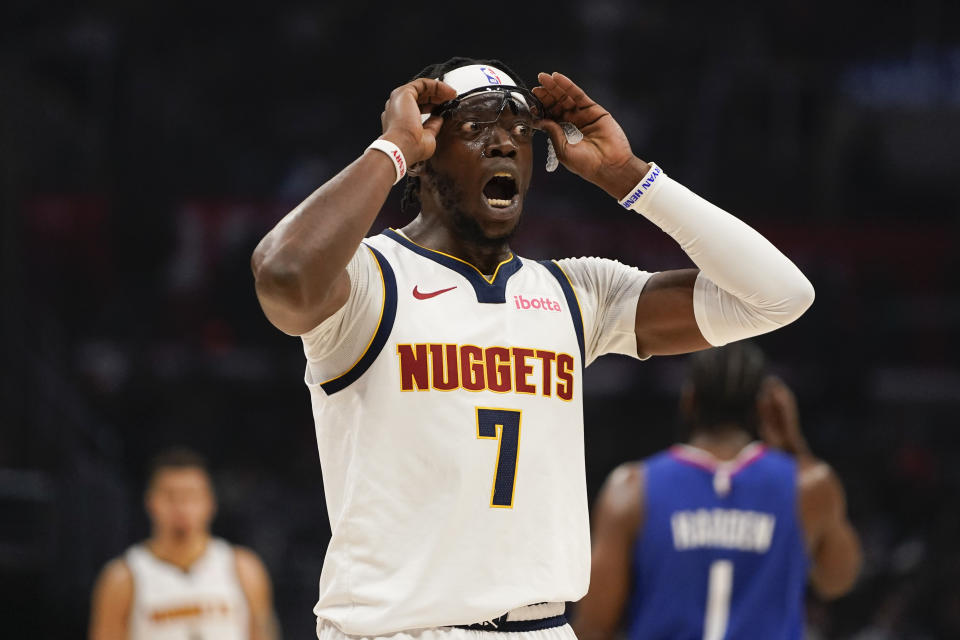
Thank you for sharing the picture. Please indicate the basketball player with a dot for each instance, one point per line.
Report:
(445, 371)
(181, 583)
(716, 538)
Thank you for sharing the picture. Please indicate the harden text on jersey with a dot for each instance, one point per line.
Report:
(445, 367)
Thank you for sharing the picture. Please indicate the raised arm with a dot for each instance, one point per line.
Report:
(617, 518)
(744, 286)
(300, 265)
(255, 583)
(833, 544)
(111, 602)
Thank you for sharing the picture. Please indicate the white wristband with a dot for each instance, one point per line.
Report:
(393, 152)
(637, 197)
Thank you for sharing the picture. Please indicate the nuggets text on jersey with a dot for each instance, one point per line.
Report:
(445, 367)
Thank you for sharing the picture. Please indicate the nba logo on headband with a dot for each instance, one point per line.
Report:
(474, 76)
(491, 75)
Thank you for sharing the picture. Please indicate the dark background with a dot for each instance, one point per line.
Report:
(145, 147)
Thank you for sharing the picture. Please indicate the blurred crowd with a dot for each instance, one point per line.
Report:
(145, 149)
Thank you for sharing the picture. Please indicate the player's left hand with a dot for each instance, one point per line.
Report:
(604, 156)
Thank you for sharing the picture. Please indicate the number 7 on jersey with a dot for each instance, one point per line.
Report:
(503, 425)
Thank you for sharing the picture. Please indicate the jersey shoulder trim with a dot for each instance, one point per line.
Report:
(573, 303)
(695, 457)
(492, 290)
(388, 313)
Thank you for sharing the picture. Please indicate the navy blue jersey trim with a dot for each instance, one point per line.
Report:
(494, 292)
(501, 626)
(387, 317)
(572, 303)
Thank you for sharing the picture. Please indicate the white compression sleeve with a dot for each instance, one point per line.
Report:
(746, 285)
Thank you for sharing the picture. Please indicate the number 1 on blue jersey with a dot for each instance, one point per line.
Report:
(719, 586)
(503, 425)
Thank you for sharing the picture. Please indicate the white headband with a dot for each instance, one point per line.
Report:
(474, 76)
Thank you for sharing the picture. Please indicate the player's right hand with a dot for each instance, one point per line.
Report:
(401, 117)
(779, 417)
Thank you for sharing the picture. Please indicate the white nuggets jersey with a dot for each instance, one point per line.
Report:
(452, 450)
(204, 603)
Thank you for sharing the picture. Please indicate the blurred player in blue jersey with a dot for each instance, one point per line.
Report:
(716, 538)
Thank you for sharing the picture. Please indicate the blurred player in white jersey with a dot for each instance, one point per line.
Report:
(182, 583)
(446, 372)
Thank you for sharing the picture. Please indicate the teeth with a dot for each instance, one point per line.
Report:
(499, 202)
(502, 174)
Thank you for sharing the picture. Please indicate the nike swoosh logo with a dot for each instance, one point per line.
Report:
(424, 296)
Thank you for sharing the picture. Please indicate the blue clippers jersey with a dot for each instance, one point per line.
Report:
(721, 552)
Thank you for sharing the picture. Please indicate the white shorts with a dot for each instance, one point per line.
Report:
(326, 630)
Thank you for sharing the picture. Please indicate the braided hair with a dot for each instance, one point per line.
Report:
(726, 381)
(411, 190)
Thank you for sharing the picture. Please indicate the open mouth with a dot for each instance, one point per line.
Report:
(500, 190)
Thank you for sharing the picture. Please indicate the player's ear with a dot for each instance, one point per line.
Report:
(148, 500)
